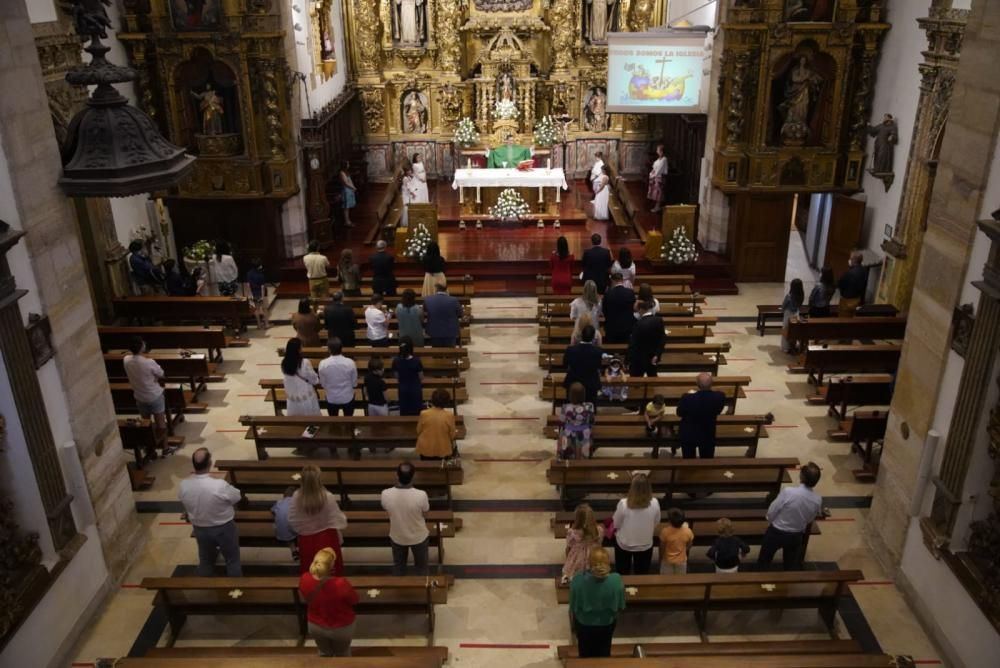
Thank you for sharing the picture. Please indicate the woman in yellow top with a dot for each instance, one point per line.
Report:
(436, 428)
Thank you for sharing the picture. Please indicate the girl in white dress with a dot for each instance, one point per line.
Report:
(411, 191)
(602, 190)
(625, 266)
(300, 381)
(420, 173)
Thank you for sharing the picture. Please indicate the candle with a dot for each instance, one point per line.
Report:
(468, 163)
(548, 163)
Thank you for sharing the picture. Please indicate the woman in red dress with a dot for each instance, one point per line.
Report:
(561, 268)
(317, 519)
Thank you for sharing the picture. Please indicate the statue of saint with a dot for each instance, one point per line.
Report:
(505, 87)
(886, 136)
(802, 87)
(596, 116)
(600, 19)
(508, 155)
(211, 110)
(414, 114)
(409, 25)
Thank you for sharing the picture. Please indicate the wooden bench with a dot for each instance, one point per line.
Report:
(181, 597)
(334, 432)
(451, 357)
(667, 310)
(676, 358)
(863, 429)
(139, 435)
(360, 302)
(275, 388)
(686, 320)
(560, 304)
(577, 479)
(361, 334)
(677, 332)
(458, 286)
(845, 329)
(232, 311)
(722, 649)
(768, 313)
(178, 367)
(343, 477)
(861, 390)
(210, 339)
(370, 656)
(389, 209)
(711, 592)
(629, 431)
(176, 400)
(821, 359)
(390, 303)
(748, 523)
(642, 389)
(365, 528)
(665, 283)
(753, 660)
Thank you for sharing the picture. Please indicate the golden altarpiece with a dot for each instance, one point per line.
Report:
(420, 66)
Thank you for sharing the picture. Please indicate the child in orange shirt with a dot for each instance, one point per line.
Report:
(675, 542)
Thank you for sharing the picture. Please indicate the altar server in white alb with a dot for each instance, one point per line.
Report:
(596, 170)
(656, 177)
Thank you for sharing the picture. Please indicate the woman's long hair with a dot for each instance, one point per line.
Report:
(292, 360)
(584, 522)
(433, 250)
(305, 308)
(409, 298)
(585, 319)
(221, 248)
(624, 257)
(323, 563)
(312, 493)
(640, 492)
(345, 263)
(562, 248)
(590, 294)
(797, 292)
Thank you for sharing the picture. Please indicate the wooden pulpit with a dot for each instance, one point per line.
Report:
(680, 215)
(417, 214)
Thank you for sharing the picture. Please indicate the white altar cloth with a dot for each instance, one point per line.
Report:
(510, 178)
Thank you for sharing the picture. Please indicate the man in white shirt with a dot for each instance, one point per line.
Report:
(208, 503)
(595, 171)
(316, 265)
(790, 516)
(144, 376)
(338, 375)
(407, 528)
(377, 319)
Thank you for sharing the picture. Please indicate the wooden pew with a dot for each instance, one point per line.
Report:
(139, 436)
(458, 286)
(677, 332)
(642, 389)
(861, 390)
(772, 313)
(710, 592)
(174, 397)
(667, 310)
(559, 304)
(359, 303)
(342, 477)
(748, 523)
(677, 357)
(450, 358)
(390, 302)
(360, 334)
(389, 209)
(845, 329)
(334, 432)
(266, 656)
(821, 359)
(178, 367)
(232, 311)
(665, 283)
(722, 649)
(578, 478)
(863, 429)
(727, 660)
(629, 431)
(182, 597)
(365, 528)
(210, 339)
(455, 385)
(687, 320)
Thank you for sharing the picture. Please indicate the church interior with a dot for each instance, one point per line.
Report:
(802, 197)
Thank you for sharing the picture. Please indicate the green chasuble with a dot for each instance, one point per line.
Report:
(511, 154)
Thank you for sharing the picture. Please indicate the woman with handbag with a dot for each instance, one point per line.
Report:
(330, 601)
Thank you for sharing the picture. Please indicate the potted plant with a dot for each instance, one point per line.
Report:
(466, 134)
(510, 206)
(679, 249)
(546, 133)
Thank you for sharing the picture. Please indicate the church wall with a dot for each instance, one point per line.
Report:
(897, 90)
(696, 12)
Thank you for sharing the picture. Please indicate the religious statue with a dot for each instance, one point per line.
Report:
(599, 20)
(886, 136)
(595, 117)
(414, 113)
(90, 18)
(505, 87)
(409, 26)
(211, 110)
(808, 10)
(508, 155)
(802, 88)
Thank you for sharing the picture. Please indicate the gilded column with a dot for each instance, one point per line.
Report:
(449, 55)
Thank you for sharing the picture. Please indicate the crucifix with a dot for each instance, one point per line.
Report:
(663, 63)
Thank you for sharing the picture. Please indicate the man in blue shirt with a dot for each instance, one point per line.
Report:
(789, 517)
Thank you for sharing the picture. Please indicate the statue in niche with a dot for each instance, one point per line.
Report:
(410, 25)
(802, 89)
(211, 110)
(599, 20)
(415, 113)
(808, 10)
(886, 136)
(505, 87)
(595, 115)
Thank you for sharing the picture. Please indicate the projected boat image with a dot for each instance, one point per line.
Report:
(662, 88)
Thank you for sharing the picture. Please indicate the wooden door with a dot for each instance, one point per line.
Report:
(759, 227)
(847, 218)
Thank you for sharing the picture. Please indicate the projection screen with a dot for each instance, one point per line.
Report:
(656, 73)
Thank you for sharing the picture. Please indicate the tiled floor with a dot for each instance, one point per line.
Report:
(503, 382)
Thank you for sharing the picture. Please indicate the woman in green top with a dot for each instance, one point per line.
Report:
(595, 599)
(410, 316)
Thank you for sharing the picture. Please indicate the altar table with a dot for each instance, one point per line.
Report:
(540, 178)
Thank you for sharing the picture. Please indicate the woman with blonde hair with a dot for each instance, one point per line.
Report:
(595, 599)
(317, 519)
(581, 538)
(589, 301)
(586, 318)
(636, 520)
(330, 601)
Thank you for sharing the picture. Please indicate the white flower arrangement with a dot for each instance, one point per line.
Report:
(505, 110)
(510, 206)
(546, 133)
(417, 242)
(466, 133)
(679, 249)
(199, 251)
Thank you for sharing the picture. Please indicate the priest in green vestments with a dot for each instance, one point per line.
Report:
(509, 153)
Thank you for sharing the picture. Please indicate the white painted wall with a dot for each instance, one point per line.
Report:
(696, 12)
(320, 91)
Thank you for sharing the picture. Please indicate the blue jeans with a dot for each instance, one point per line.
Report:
(212, 541)
(401, 552)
